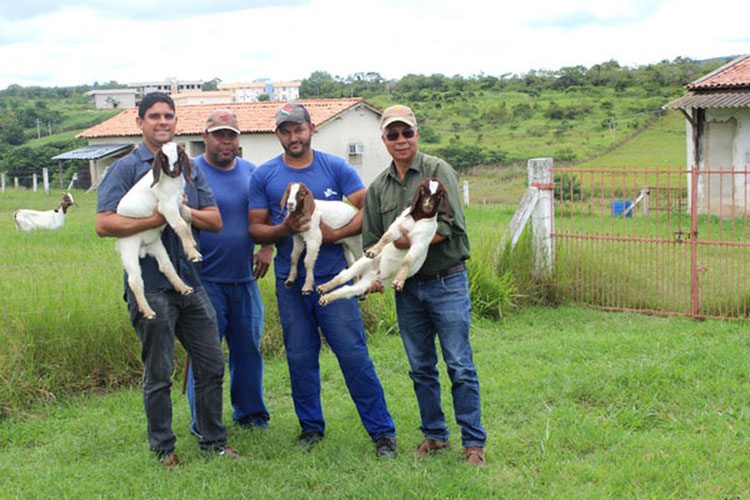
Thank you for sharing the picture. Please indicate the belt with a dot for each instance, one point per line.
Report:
(461, 266)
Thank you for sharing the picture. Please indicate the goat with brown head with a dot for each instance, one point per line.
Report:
(297, 200)
(426, 201)
(171, 160)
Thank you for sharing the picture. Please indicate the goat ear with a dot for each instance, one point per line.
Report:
(160, 159)
(283, 200)
(418, 195)
(308, 203)
(186, 165)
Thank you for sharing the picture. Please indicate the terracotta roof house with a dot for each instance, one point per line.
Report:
(717, 111)
(349, 128)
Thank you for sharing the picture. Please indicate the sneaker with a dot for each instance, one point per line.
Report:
(227, 451)
(385, 446)
(170, 460)
(308, 440)
(429, 446)
(474, 455)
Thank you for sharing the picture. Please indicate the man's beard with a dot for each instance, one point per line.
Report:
(220, 162)
(302, 151)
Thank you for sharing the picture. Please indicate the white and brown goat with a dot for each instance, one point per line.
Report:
(383, 261)
(298, 200)
(161, 188)
(28, 220)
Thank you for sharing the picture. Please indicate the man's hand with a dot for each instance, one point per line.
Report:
(403, 243)
(296, 223)
(329, 234)
(262, 261)
(375, 287)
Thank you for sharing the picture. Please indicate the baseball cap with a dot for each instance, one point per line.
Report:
(398, 113)
(222, 119)
(292, 112)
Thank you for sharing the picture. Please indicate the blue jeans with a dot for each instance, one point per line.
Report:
(341, 325)
(441, 307)
(191, 320)
(239, 316)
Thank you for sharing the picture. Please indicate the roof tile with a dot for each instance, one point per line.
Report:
(254, 117)
(735, 74)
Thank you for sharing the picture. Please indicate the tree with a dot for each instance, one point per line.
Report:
(212, 84)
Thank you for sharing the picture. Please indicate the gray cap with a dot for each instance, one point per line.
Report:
(292, 112)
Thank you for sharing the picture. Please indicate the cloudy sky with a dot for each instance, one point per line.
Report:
(54, 43)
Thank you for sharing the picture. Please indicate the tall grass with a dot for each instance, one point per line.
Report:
(64, 327)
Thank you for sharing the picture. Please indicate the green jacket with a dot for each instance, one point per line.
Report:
(388, 196)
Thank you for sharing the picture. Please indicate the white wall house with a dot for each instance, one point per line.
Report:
(169, 85)
(348, 128)
(112, 98)
(717, 112)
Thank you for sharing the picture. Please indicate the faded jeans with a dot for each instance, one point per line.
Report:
(442, 308)
(190, 319)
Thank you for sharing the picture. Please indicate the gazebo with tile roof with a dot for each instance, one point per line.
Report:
(349, 128)
(717, 110)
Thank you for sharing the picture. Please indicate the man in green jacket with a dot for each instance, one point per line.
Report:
(435, 301)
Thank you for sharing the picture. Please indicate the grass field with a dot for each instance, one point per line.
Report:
(577, 404)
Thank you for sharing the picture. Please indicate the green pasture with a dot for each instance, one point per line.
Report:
(577, 404)
(64, 327)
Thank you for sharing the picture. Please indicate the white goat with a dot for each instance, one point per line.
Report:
(383, 261)
(165, 193)
(336, 214)
(28, 220)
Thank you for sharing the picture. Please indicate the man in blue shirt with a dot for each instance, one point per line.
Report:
(327, 177)
(230, 270)
(189, 318)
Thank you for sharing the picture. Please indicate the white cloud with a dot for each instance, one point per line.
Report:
(82, 42)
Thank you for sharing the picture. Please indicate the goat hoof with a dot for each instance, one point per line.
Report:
(149, 315)
(187, 291)
(323, 301)
(288, 283)
(370, 254)
(398, 285)
(307, 291)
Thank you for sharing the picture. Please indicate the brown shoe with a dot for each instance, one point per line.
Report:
(474, 455)
(170, 460)
(430, 445)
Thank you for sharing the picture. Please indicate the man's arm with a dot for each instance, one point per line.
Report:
(354, 226)
(262, 231)
(207, 219)
(109, 223)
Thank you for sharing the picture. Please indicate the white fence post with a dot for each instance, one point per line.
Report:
(542, 219)
(73, 180)
(45, 180)
(34, 187)
(2, 181)
(15, 182)
(466, 194)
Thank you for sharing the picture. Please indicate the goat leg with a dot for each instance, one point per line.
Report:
(128, 250)
(297, 246)
(310, 258)
(157, 250)
(178, 224)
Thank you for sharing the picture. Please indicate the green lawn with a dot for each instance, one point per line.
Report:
(577, 404)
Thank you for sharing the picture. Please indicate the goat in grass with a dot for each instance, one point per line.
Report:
(336, 214)
(28, 220)
(161, 188)
(383, 261)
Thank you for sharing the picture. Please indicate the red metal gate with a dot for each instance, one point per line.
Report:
(656, 241)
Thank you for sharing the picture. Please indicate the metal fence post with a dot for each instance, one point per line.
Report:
(542, 220)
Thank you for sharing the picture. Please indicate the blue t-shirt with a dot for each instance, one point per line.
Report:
(228, 254)
(120, 177)
(328, 177)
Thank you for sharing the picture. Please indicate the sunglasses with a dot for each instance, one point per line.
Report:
(408, 133)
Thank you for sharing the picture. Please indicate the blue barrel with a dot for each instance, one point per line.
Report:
(619, 206)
